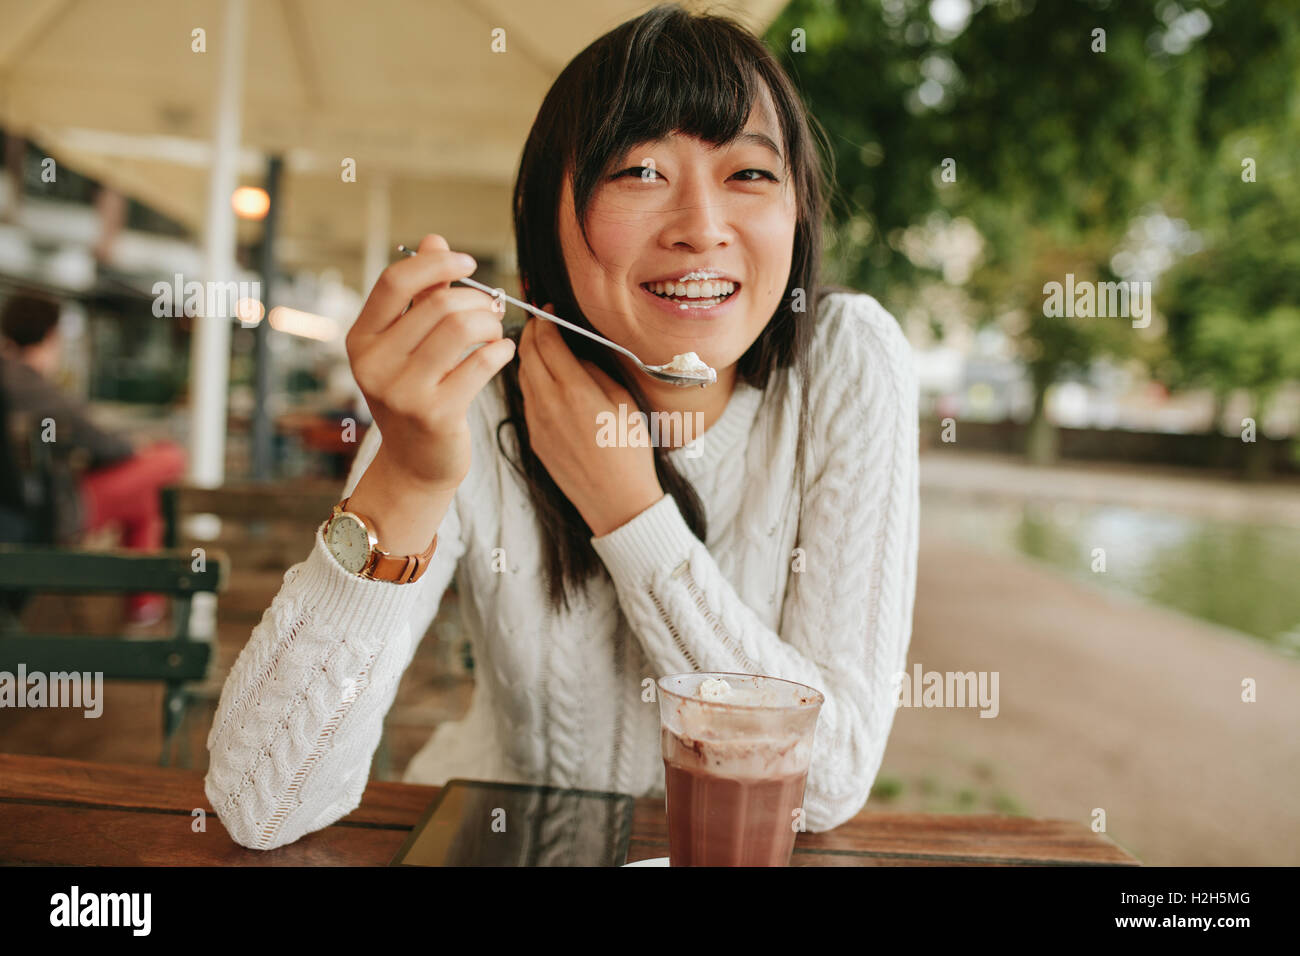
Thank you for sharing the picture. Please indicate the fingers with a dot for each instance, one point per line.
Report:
(551, 351)
(403, 336)
(546, 363)
(530, 360)
(429, 244)
(468, 378)
(378, 360)
(432, 243)
(455, 333)
(405, 279)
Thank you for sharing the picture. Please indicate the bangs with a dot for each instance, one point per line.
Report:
(680, 85)
(679, 75)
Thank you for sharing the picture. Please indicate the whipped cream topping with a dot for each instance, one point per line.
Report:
(686, 363)
(729, 738)
(715, 688)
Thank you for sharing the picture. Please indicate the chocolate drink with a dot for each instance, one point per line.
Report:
(718, 820)
(736, 751)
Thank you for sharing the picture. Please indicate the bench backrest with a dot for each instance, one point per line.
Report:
(299, 503)
(52, 569)
(265, 526)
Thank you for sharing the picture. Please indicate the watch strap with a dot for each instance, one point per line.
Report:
(399, 569)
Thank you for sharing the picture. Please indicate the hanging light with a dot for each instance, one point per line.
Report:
(250, 202)
(308, 325)
(249, 311)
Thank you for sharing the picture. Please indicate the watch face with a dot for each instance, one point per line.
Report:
(349, 542)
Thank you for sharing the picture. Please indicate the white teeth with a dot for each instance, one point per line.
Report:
(706, 289)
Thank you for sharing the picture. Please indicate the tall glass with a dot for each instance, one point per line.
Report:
(735, 765)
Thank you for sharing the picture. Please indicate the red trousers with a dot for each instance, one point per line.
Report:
(126, 493)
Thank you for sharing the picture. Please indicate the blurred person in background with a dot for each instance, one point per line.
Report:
(101, 478)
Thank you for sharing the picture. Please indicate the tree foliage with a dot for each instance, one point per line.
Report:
(1058, 146)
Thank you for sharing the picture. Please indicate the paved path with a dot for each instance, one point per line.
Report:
(1208, 494)
(1105, 702)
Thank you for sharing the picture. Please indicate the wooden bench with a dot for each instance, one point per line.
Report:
(176, 660)
(261, 522)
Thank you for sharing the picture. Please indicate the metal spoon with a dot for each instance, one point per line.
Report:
(661, 372)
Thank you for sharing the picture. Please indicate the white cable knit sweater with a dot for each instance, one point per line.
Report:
(818, 591)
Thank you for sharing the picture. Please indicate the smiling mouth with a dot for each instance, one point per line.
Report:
(705, 294)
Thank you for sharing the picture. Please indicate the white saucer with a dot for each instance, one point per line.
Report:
(653, 861)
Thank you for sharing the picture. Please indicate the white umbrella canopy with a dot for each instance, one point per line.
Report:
(323, 220)
(410, 90)
(157, 98)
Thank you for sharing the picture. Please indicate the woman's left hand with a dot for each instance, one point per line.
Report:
(562, 399)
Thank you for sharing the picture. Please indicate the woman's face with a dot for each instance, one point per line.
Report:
(701, 209)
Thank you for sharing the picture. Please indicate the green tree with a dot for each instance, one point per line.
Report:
(1231, 305)
(1256, 354)
(1062, 122)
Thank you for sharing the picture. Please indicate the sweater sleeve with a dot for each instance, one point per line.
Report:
(847, 618)
(302, 712)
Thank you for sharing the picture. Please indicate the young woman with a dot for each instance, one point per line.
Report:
(781, 540)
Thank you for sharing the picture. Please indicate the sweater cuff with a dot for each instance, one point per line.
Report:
(657, 538)
(352, 604)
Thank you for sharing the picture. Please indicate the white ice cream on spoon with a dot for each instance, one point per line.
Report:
(689, 363)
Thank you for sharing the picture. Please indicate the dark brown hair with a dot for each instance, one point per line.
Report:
(28, 319)
(665, 71)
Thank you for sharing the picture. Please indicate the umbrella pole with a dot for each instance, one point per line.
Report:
(210, 341)
(210, 345)
(263, 465)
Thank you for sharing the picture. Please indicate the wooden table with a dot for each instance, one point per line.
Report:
(70, 812)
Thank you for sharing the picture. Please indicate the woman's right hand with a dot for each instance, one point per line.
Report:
(409, 366)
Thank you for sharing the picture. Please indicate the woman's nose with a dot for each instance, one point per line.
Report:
(699, 219)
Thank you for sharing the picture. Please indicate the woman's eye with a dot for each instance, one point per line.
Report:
(649, 174)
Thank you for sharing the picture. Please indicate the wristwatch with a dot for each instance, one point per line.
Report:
(352, 540)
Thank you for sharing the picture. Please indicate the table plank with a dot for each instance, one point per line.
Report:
(871, 838)
(980, 837)
(115, 814)
(99, 837)
(143, 787)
